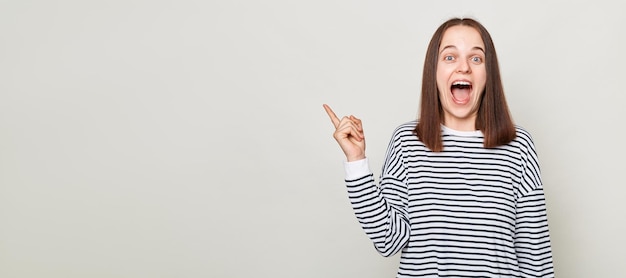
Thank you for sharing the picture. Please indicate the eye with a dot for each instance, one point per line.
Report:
(448, 58)
(477, 59)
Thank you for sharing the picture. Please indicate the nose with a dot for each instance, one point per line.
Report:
(463, 66)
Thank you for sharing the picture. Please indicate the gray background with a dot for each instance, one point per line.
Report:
(188, 139)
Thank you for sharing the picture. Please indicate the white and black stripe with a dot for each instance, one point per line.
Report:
(465, 212)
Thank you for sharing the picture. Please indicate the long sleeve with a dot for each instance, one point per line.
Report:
(532, 235)
(381, 211)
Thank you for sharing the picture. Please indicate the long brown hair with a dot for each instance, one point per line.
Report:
(493, 118)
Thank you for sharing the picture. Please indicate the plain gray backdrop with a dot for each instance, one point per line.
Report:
(187, 138)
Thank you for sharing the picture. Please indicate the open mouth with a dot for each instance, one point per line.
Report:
(461, 91)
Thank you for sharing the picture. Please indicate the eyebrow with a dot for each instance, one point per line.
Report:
(452, 46)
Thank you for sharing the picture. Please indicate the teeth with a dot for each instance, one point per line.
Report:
(462, 83)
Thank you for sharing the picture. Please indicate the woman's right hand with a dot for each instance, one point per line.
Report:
(349, 135)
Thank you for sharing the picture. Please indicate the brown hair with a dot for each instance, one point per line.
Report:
(493, 118)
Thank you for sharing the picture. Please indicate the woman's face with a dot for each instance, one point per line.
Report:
(461, 76)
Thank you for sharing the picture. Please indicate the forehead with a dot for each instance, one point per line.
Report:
(461, 37)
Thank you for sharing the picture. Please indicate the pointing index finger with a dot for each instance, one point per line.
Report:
(332, 115)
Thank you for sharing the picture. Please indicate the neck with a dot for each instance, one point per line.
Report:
(461, 124)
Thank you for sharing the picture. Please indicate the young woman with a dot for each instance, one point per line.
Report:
(460, 193)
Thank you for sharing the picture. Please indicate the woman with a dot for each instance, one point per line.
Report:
(460, 192)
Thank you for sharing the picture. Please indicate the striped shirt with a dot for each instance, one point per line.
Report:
(467, 211)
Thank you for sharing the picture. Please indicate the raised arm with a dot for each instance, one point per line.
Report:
(381, 210)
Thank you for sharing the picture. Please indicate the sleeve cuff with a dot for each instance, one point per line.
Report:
(357, 169)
